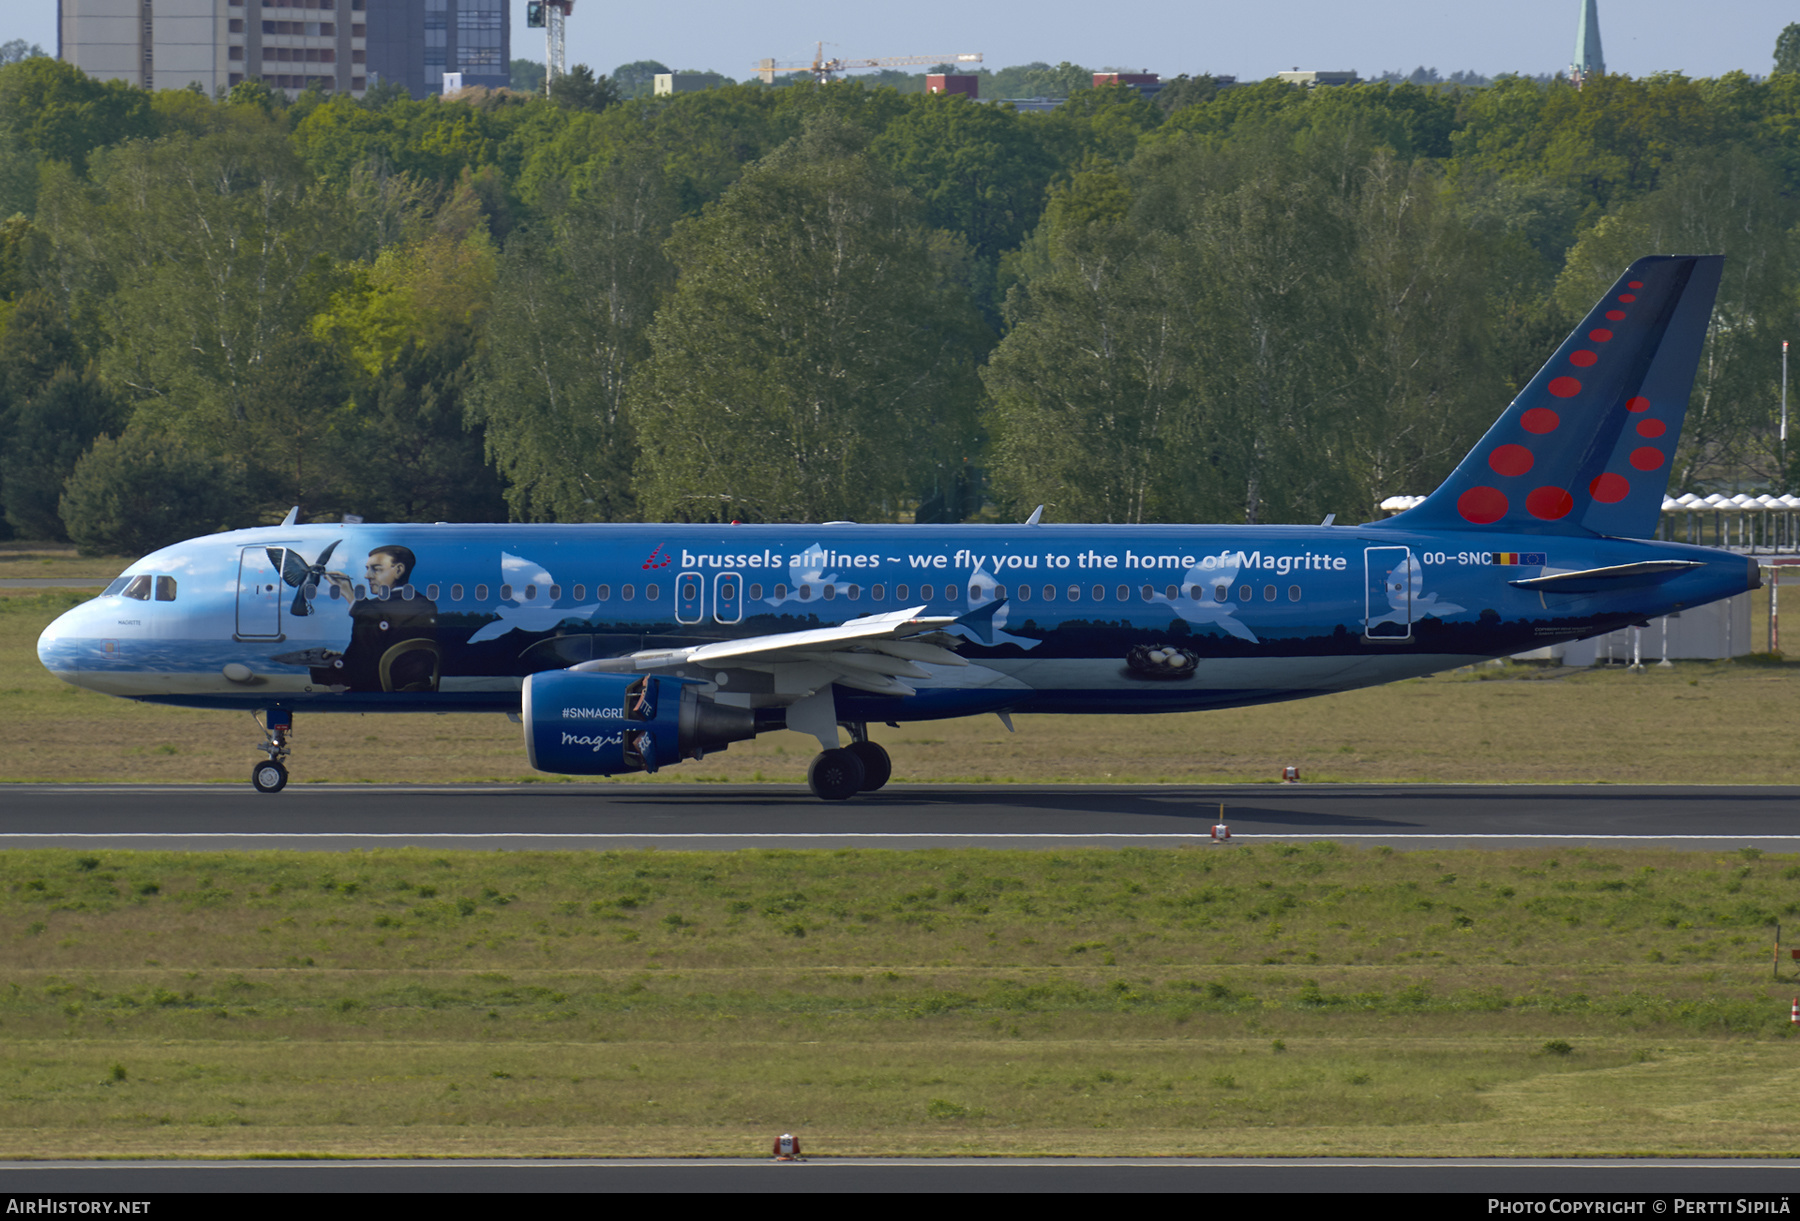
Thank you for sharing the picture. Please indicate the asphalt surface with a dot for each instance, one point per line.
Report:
(1765, 1182)
(715, 816)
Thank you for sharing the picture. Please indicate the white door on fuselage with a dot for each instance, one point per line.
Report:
(259, 593)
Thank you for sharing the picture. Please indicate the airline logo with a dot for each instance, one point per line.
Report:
(653, 562)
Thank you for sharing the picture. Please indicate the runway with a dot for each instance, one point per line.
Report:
(709, 816)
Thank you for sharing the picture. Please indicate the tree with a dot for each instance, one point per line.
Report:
(142, 491)
(18, 49)
(573, 301)
(527, 75)
(51, 430)
(63, 114)
(1787, 49)
(580, 89)
(817, 353)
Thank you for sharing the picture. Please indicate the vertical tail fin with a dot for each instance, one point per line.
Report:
(1586, 447)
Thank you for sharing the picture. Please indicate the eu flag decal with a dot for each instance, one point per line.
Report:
(1519, 558)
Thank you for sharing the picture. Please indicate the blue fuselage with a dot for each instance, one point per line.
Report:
(1065, 619)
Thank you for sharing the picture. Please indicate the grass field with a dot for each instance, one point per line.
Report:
(1268, 999)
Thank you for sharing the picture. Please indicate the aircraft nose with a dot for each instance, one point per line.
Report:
(58, 646)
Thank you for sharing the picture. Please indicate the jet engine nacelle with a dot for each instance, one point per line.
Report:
(599, 724)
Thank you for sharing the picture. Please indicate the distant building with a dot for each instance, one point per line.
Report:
(945, 82)
(1310, 79)
(1588, 61)
(685, 82)
(338, 46)
(1147, 83)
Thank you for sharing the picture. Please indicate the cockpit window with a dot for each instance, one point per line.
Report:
(139, 588)
(117, 586)
(165, 589)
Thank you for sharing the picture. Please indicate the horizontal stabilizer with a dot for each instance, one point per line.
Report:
(1650, 572)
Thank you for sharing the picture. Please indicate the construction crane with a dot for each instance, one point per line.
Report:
(823, 69)
(549, 15)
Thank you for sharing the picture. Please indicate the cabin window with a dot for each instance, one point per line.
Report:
(408, 592)
(580, 592)
(974, 593)
(310, 591)
(850, 592)
(877, 592)
(531, 593)
(1023, 593)
(1074, 593)
(1123, 593)
(780, 592)
(805, 593)
(362, 592)
(756, 593)
(1099, 593)
(1244, 593)
(1049, 593)
(627, 592)
(455, 592)
(165, 589)
(1172, 592)
(1000, 591)
(334, 591)
(1146, 593)
(384, 592)
(651, 592)
(506, 593)
(1293, 593)
(602, 593)
(1194, 593)
(1219, 592)
(902, 592)
(690, 591)
(1268, 593)
(830, 593)
(555, 592)
(431, 591)
(481, 593)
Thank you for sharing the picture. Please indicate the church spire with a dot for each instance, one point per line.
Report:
(1588, 60)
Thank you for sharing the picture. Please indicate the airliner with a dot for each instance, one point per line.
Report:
(632, 647)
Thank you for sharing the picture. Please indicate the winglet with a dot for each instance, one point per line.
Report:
(293, 515)
(1037, 515)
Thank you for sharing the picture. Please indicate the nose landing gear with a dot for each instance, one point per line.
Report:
(272, 776)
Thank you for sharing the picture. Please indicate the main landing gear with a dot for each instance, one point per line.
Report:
(842, 772)
(272, 776)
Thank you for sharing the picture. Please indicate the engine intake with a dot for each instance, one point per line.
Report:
(600, 724)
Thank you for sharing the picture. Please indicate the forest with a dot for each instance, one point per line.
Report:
(1259, 303)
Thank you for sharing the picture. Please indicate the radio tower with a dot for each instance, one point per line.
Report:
(1588, 61)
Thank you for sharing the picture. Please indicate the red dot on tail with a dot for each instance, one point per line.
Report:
(1646, 457)
(1549, 503)
(1599, 334)
(1638, 403)
(1635, 284)
(1615, 315)
(1651, 428)
(1627, 298)
(1540, 420)
(1482, 506)
(1581, 358)
(1610, 489)
(1564, 387)
(1510, 460)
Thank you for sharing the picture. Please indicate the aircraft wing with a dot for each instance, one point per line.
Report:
(874, 653)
